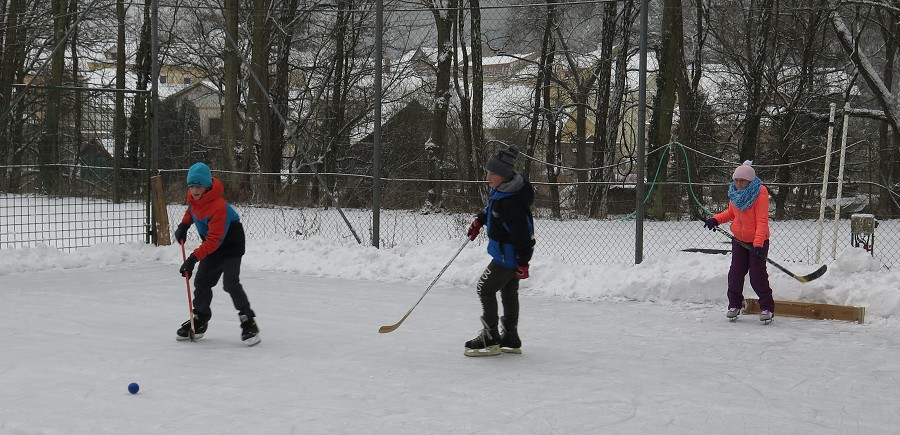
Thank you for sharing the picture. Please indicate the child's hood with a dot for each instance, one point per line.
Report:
(215, 192)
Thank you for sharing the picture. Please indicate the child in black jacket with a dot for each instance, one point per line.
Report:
(510, 231)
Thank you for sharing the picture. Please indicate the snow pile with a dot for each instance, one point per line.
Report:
(854, 278)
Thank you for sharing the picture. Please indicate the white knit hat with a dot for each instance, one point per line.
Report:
(744, 172)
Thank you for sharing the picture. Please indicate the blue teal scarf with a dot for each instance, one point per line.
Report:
(743, 199)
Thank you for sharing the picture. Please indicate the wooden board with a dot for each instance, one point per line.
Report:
(810, 310)
(160, 214)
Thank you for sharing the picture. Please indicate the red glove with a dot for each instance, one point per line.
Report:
(474, 229)
(522, 271)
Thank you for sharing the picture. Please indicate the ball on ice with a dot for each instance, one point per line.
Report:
(133, 388)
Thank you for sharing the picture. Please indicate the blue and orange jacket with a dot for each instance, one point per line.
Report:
(750, 225)
(214, 218)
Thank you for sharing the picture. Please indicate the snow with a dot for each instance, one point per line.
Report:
(606, 348)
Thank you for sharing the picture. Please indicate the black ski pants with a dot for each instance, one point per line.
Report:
(209, 270)
(497, 278)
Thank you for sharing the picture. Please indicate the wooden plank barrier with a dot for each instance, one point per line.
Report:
(160, 214)
(809, 310)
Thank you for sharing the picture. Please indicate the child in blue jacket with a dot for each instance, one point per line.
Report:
(510, 231)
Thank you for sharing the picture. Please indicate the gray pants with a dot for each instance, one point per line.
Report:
(497, 278)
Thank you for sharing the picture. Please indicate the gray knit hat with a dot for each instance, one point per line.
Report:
(504, 162)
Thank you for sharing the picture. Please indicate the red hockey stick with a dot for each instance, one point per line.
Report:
(187, 281)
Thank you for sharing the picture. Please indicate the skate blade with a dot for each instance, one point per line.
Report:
(488, 351)
(515, 350)
(194, 338)
(253, 341)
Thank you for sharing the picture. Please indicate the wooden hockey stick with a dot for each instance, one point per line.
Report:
(389, 328)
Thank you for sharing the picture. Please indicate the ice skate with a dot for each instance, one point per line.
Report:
(184, 332)
(509, 338)
(766, 316)
(249, 330)
(732, 314)
(487, 343)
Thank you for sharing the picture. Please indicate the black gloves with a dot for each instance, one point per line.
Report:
(181, 233)
(187, 268)
(710, 224)
(759, 251)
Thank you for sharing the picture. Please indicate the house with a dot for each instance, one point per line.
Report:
(498, 67)
(208, 101)
(403, 136)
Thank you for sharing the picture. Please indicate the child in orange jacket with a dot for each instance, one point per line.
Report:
(219, 254)
(748, 212)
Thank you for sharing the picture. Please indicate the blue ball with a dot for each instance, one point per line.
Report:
(133, 388)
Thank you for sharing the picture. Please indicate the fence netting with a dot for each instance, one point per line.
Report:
(73, 183)
(561, 234)
(284, 111)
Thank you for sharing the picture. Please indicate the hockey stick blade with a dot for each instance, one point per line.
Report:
(812, 276)
(802, 278)
(389, 328)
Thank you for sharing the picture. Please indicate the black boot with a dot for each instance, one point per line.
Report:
(509, 337)
(249, 330)
(487, 343)
(184, 332)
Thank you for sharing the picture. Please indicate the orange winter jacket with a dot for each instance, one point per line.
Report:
(750, 225)
(213, 217)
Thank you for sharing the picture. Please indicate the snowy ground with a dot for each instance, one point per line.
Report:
(607, 349)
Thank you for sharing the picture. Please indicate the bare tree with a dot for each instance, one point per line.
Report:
(880, 85)
(658, 138)
(444, 13)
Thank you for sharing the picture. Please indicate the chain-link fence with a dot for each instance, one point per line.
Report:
(67, 222)
(560, 232)
(459, 82)
(68, 182)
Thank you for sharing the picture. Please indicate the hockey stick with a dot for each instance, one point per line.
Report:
(802, 278)
(389, 328)
(187, 280)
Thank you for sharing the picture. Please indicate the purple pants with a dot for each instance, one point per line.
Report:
(743, 261)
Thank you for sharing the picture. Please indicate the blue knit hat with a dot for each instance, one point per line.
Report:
(199, 175)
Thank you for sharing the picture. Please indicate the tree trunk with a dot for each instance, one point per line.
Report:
(602, 147)
(49, 148)
(259, 65)
(888, 163)
(550, 113)
(659, 136)
(280, 89)
(477, 151)
(231, 97)
(467, 162)
(12, 34)
(119, 120)
(437, 145)
(539, 88)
